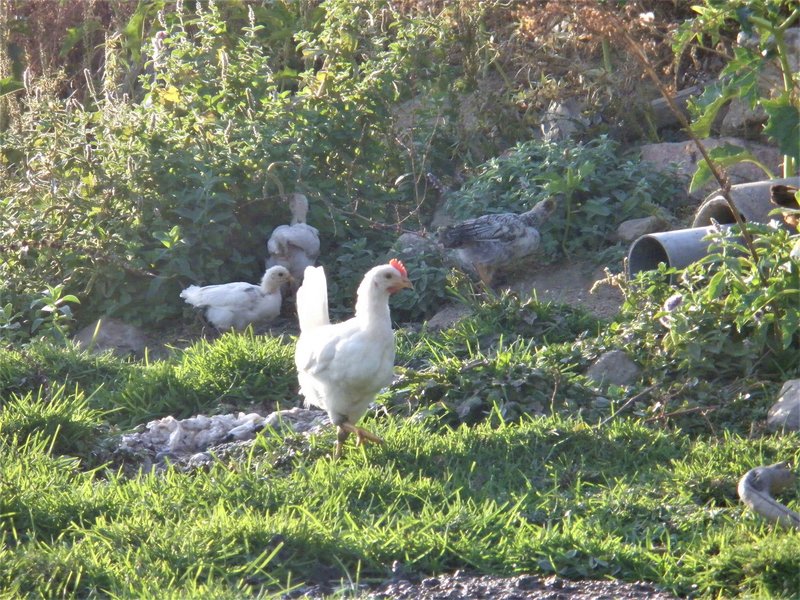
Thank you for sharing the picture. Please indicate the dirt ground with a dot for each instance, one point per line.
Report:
(572, 284)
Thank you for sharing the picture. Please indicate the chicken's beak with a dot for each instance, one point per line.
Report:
(404, 283)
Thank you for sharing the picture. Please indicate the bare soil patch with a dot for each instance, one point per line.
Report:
(572, 283)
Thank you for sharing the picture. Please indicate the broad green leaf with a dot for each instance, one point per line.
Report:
(134, 28)
(707, 106)
(783, 125)
(724, 156)
(75, 35)
(740, 75)
(716, 285)
(789, 325)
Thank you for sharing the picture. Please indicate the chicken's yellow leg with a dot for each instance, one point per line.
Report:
(486, 274)
(362, 435)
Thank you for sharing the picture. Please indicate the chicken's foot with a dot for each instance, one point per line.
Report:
(362, 436)
(485, 273)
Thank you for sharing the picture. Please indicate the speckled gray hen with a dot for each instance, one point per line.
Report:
(496, 241)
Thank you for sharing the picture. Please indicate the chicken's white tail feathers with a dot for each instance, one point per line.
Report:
(312, 299)
(277, 243)
(193, 295)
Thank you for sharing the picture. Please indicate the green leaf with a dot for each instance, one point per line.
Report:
(707, 106)
(78, 34)
(9, 85)
(740, 75)
(134, 28)
(724, 156)
(783, 125)
(716, 285)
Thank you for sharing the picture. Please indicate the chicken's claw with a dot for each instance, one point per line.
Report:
(362, 436)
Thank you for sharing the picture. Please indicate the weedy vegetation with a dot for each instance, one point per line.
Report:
(167, 166)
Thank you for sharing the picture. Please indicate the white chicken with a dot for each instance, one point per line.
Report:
(342, 366)
(238, 304)
(294, 246)
(492, 242)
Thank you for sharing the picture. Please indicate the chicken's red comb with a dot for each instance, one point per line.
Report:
(399, 266)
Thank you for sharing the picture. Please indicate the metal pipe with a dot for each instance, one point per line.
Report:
(752, 200)
(678, 248)
(682, 247)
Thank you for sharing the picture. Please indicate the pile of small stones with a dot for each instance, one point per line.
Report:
(196, 441)
(462, 585)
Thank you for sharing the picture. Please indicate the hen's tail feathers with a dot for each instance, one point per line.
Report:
(193, 295)
(277, 243)
(312, 299)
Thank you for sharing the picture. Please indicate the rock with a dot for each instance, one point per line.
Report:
(298, 420)
(662, 114)
(447, 317)
(613, 368)
(413, 244)
(195, 442)
(440, 216)
(468, 410)
(112, 334)
(632, 230)
(784, 415)
(743, 121)
(469, 586)
(685, 156)
(192, 435)
(562, 120)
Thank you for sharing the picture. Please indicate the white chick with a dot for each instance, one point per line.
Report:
(236, 305)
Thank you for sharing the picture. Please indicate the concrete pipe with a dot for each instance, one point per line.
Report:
(678, 248)
(752, 200)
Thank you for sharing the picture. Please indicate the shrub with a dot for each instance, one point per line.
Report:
(735, 317)
(124, 203)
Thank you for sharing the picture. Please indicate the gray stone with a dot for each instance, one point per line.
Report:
(684, 157)
(112, 334)
(447, 317)
(743, 121)
(469, 408)
(562, 120)
(413, 244)
(784, 415)
(613, 368)
(633, 229)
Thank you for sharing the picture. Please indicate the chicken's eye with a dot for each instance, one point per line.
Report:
(388, 276)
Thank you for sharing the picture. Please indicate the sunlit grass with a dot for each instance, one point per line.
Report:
(559, 491)
(547, 495)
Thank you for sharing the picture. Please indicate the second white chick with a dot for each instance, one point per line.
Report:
(238, 304)
(342, 366)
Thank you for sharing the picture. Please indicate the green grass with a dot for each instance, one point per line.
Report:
(571, 489)
(547, 495)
